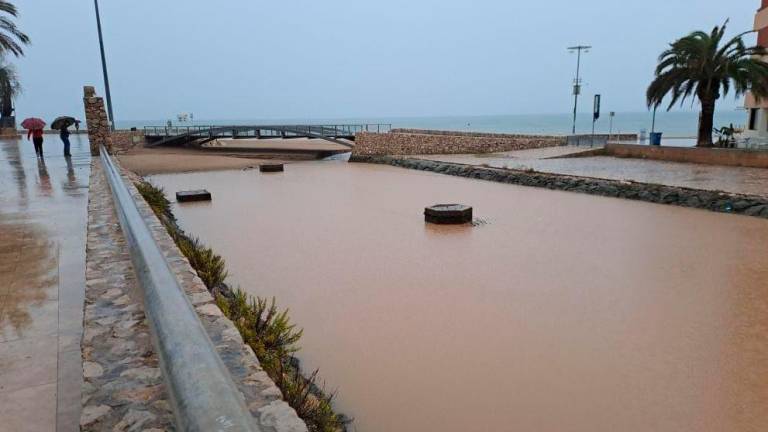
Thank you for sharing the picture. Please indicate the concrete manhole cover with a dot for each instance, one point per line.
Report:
(448, 214)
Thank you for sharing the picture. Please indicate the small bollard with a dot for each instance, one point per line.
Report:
(193, 195)
(267, 168)
(448, 214)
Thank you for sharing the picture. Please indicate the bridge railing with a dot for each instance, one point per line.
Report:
(221, 130)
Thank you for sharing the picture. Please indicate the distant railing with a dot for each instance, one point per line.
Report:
(203, 395)
(335, 130)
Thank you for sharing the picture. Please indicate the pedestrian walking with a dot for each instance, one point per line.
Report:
(35, 127)
(64, 135)
(77, 125)
(62, 124)
(37, 138)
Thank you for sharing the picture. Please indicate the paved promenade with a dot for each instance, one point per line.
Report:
(42, 278)
(709, 177)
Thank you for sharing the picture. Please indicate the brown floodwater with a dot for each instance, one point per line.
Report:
(560, 312)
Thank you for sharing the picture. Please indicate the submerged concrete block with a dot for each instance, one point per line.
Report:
(448, 214)
(193, 195)
(271, 168)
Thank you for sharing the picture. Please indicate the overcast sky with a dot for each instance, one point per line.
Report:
(239, 59)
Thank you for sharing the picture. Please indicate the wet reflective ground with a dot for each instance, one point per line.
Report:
(563, 312)
(43, 220)
(697, 176)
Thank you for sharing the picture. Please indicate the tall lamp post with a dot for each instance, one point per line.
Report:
(104, 68)
(577, 81)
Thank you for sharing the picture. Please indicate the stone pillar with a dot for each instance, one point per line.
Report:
(99, 132)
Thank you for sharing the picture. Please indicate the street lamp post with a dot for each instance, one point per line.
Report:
(577, 81)
(104, 68)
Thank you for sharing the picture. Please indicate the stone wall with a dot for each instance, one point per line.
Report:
(709, 156)
(749, 205)
(97, 120)
(459, 133)
(124, 387)
(439, 142)
(124, 140)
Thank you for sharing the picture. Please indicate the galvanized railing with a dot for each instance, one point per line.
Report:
(203, 395)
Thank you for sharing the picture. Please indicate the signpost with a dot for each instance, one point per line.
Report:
(595, 116)
(611, 115)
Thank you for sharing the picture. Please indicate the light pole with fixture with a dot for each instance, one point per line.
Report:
(104, 68)
(577, 81)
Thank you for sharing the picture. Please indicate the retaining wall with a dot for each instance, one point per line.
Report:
(749, 205)
(708, 156)
(124, 388)
(124, 140)
(446, 142)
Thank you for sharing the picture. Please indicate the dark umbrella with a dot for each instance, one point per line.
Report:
(33, 123)
(63, 122)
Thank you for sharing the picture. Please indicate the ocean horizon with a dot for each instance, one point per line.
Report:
(675, 124)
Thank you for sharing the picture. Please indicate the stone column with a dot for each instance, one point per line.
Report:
(99, 132)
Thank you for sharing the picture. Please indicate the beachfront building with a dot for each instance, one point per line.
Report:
(757, 113)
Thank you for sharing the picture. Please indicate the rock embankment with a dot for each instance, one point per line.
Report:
(749, 205)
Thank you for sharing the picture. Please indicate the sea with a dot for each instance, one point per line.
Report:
(675, 124)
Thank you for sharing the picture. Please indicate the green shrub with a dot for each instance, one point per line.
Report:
(309, 400)
(210, 266)
(155, 197)
(268, 331)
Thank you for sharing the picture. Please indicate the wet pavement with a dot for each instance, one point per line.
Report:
(43, 207)
(696, 176)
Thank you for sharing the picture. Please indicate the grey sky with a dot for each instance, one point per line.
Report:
(237, 59)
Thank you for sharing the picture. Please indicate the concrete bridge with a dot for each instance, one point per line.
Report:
(343, 134)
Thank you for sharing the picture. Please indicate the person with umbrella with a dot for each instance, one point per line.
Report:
(62, 124)
(35, 127)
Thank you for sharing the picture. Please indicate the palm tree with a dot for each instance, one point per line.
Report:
(9, 89)
(701, 64)
(11, 38)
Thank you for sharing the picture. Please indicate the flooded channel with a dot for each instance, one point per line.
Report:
(561, 312)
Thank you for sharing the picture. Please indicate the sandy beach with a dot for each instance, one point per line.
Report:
(225, 154)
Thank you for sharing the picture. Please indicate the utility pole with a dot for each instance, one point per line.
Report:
(577, 81)
(104, 68)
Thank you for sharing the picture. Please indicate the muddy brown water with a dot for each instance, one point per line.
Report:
(564, 312)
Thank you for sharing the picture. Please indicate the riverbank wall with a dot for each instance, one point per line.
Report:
(707, 156)
(401, 141)
(748, 205)
(124, 386)
(415, 141)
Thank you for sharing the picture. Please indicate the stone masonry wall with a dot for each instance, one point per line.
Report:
(615, 137)
(124, 388)
(395, 143)
(709, 156)
(461, 133)
(97, 120)
(124, 140)
(262, 397)
(748, 205)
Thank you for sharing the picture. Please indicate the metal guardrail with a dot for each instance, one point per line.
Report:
(203, 395)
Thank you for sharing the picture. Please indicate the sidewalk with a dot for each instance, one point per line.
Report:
(43, 220)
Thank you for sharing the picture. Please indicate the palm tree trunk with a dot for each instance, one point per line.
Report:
(706, 123)
(6, 105)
